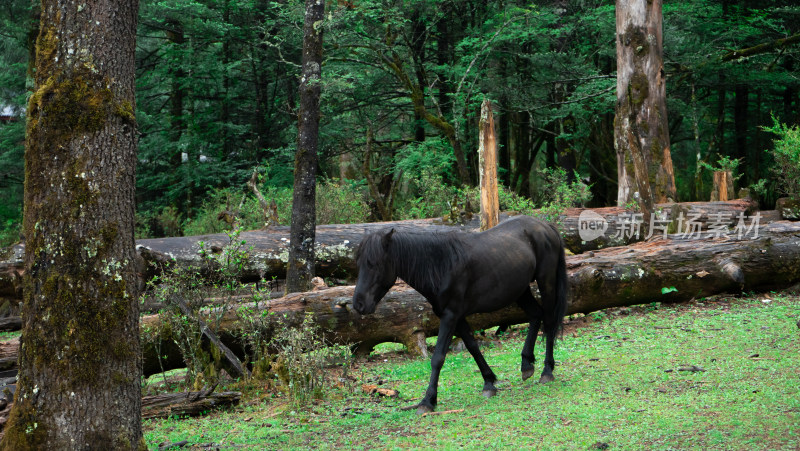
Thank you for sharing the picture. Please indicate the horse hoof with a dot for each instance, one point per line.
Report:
(527, 374)
(489, 393)
(546, 378)
(422, 409)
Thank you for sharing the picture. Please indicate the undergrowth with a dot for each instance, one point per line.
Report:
(717, 373)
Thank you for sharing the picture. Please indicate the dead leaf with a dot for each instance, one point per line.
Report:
(702, 274)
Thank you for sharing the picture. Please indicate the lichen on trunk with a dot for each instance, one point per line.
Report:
(80, 341)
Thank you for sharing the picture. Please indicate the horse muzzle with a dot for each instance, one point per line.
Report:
(360, 305)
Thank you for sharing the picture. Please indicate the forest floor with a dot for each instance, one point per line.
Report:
(719, 373)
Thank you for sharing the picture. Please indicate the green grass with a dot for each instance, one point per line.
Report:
(618, 385)
(9, 335)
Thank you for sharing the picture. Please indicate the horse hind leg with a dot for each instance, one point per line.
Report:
(465, 332)
(550, 329)
(528, 304)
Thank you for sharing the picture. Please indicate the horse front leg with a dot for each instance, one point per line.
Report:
(447, 324)
(489, 378)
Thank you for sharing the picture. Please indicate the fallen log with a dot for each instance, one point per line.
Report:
(613, 277)
(335, 243)
(189, 404)
(10, 323)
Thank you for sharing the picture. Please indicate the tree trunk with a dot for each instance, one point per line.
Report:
(487, 154)
(300, 268)
(723, 186)
(641, 132)
(80, 341)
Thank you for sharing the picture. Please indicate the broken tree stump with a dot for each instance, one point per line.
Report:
(723, 186)
(487, 167)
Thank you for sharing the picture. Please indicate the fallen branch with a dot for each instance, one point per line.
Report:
(187, 404)
(762, 48)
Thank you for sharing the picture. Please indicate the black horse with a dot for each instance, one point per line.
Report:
(465, 273)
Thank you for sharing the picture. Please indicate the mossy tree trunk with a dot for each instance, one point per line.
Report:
(641, 132)
(300, 269)
(79, 365)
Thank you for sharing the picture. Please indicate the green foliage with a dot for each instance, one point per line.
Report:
(430, 158)
(511, 201)
(724, 164)
(336, 204)
(787, 157)
(557, 193)
(341, 203)
(294, 358)
(667, 290)
(217, 97)
(13, 60)
(432, 197)
(303, 356)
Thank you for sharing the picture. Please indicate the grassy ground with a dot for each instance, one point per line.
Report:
(719, 373)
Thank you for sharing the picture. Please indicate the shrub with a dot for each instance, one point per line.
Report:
(340, 203)
(295, 357)
(432, 197)
(787, 158)
(556, 194)
(336, 204)
(184, 291)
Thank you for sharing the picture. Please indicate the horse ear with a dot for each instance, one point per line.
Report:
(388, 238)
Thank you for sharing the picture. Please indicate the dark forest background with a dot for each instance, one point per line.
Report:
(217, 84)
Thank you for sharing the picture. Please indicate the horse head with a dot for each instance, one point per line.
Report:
(376, 272)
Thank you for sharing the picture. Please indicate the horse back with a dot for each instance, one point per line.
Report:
(536, 242)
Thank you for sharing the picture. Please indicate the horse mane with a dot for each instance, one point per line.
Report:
(422, 259)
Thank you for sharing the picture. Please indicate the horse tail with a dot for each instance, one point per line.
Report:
(561, 288)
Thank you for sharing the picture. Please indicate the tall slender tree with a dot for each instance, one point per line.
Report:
(641, 131)
(79, 365)
(300, 269)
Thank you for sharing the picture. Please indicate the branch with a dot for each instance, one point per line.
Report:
(761, 48)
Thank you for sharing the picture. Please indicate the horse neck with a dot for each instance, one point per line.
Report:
(423, 261)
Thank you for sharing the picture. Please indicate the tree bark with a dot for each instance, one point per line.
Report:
(723, 186)
(762, 48)
(80, 341)
(641, 131)
(487, 156)
(300, 268)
